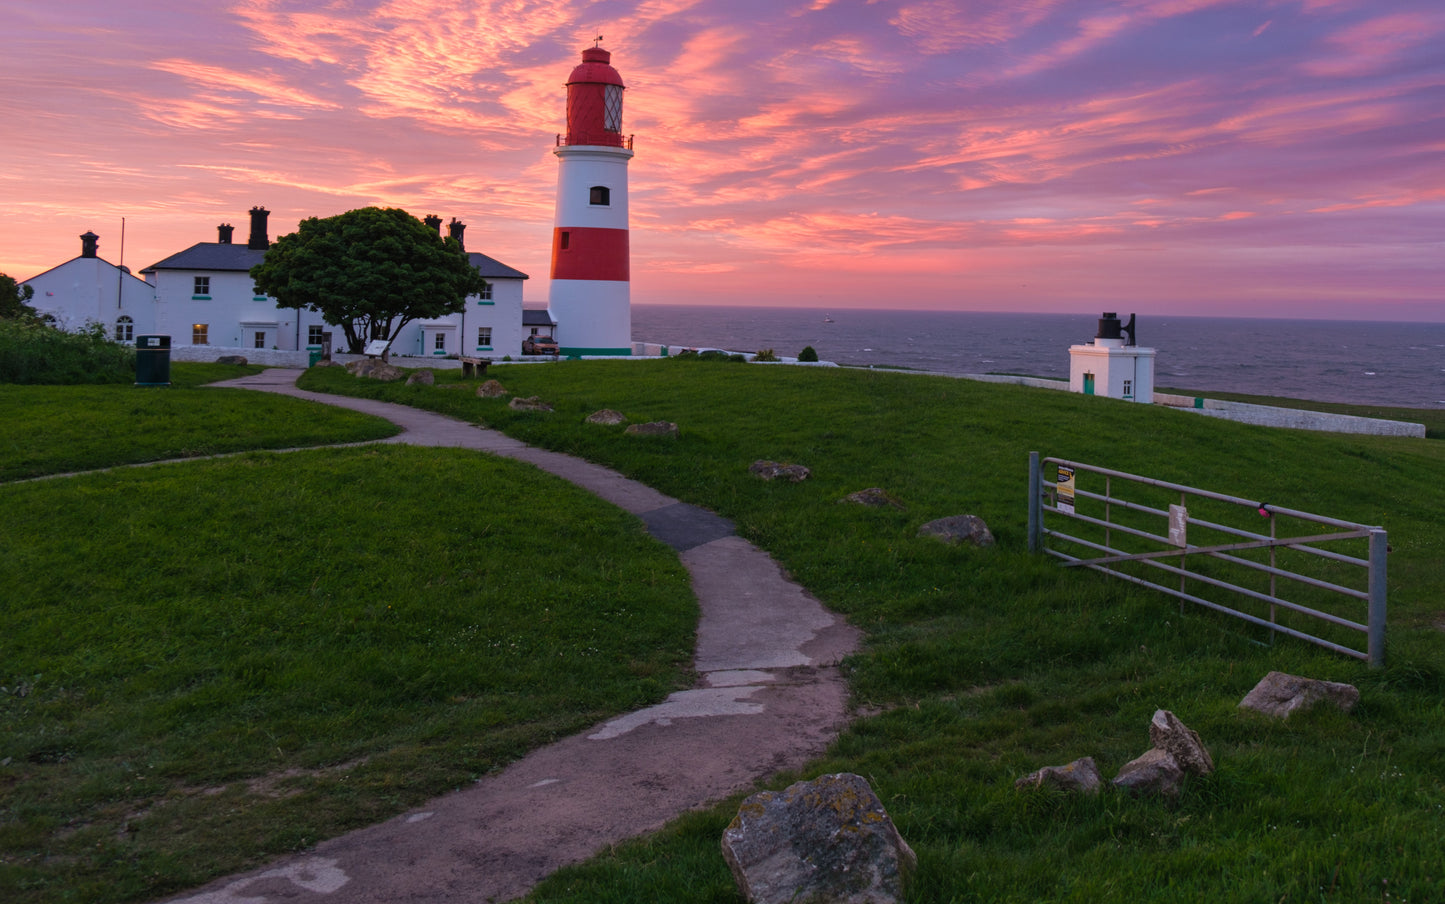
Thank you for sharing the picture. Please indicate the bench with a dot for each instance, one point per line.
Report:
(474, 367)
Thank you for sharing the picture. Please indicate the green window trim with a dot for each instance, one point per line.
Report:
(200, 298)
(486, 302)
(484, 348)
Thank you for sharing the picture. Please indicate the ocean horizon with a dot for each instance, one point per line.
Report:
(1390, 363)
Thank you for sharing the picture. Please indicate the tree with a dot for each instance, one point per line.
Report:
(13, 298)
(369, 271)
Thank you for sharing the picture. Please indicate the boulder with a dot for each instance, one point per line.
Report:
(1155, 772)
(1081, 776)
(655, 428)
(421, 378)
(1279, 694)
(491, 390)
(327, 362)
(376, 369)
(773, 470)
(239, 360)
(873, 497)
(532, 403)
(957, 529)
(825, 840)
(607, 417)
(1180, 741)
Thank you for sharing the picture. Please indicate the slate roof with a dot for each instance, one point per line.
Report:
(536, 317)
(491, 268)
(210, 256)
(215, 256)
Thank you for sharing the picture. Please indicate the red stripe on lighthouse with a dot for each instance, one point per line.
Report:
(586, 252)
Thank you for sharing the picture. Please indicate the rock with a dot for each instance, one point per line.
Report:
(772, 470)
(532, 403)
(956, 529)
(873, 497)
(421, 378)
(238, 360)
(828, 840)
(1181, 742)
(327, 362)
(1155, 772)
(1081, 776)
(491, 390)
(376, 369)
(607, 417)
(655, 428)
(1278, 695)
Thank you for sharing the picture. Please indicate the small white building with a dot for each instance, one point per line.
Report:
(1112, 367)
(89, 289)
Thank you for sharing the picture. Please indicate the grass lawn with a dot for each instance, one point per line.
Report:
(59, 429)
(206, 664)
(982, 665)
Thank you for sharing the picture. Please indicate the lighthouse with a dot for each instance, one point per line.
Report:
(590, 299)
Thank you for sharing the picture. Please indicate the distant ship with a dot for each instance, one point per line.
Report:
(827, 319)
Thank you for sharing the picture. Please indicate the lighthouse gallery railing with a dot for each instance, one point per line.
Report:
(1306, 585)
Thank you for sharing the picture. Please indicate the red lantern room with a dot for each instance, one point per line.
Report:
(594, 102)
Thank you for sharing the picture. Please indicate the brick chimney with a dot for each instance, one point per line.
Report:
(259, 241)
(88, 244)
(225, 230)
(454, 231)
(433, 222)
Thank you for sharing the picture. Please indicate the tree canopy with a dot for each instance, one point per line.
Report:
(13, 298)
(369, 271)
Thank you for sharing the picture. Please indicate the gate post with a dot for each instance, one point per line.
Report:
(1035, 504)
(1379, 548)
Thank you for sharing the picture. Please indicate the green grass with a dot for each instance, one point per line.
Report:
(207, 664)
(59, 429)
(986, 664)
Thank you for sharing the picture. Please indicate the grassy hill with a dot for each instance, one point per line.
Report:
(982, 665)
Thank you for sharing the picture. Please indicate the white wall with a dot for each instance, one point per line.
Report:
(85, 290)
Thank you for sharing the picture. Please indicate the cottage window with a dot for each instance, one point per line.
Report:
(314, 335)
(125, 330)
(203, 286)
(198, 334)
(260, 338)
(1128, 389)
(440, 343)
(484, 337)
(486, 292)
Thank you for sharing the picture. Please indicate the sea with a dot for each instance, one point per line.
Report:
(1356, 362)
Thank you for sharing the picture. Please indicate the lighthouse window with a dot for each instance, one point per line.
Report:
(612, 102)
(601, 195)
(565, 239)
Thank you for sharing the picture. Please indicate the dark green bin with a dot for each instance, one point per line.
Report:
(153, 360)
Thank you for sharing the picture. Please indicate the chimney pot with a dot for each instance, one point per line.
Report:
(224, 230)
(455, 229)
(259, 240)
(433, 222)
(88, 243)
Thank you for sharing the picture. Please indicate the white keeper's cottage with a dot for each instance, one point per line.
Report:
(204, 296)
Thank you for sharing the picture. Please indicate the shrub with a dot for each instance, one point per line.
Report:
(35, 353)
(765, 355)
(807, 354)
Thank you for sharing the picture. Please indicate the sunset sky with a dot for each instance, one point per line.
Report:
(1269, 158)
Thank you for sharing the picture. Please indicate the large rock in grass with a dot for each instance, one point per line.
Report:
(828, 840)
(873, 497)
(531, 403)
(775, 470)
(421, 378)
(376, 369)
(491, 390)
(1081, 777)
(238, 360)
(607, 417)
(1177, 752)
(653, 428)
(1279, 695)
(957, 529)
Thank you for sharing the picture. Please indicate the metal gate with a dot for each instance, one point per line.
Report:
(1307, 577)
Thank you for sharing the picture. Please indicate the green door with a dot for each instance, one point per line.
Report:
(1088, 384)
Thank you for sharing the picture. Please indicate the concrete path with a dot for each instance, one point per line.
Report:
(770, 697)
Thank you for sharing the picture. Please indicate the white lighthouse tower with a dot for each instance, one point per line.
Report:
(590, 300)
